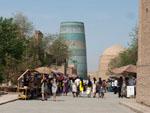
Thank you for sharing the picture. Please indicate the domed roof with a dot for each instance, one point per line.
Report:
(114, 50)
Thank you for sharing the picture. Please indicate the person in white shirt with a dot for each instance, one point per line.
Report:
(74, 88)
(115, 86)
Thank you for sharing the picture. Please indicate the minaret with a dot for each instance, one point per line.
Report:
(74, 35)
(143, 64)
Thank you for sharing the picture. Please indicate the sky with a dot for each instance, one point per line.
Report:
(107, 22)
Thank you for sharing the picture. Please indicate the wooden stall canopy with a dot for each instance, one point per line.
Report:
(28, 70)
(125, 69)
(43, 70)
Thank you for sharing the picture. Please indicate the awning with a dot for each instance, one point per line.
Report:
(43, 70)
(125, 69)
(28, 70)
(23, 74)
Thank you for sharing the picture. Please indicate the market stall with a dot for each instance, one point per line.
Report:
(129, 73)
(124, 70)
(29, 84)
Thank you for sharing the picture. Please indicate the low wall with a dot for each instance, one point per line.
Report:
(8, 88)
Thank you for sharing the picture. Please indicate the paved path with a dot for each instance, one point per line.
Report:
(8, 98)
(132, 104)
(110, 104)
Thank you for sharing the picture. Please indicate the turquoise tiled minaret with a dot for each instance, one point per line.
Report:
(74, 34)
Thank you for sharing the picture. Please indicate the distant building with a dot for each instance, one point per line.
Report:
(37, 40)
(105, 59)
(38, 35)
(74, 35)
(143, 74)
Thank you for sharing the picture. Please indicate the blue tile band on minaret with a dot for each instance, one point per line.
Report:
(74, 35)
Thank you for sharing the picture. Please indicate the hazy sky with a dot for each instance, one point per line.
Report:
(107, 22)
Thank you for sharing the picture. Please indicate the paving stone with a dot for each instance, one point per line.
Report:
(67, 104)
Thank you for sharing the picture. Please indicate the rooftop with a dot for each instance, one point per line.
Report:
(113, 50)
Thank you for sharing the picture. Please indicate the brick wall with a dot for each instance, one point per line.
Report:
(143, 76)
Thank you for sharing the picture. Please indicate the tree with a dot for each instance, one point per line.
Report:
(20, 51)
(38, 53)
(47, 42)
(129, 56)
(25, 26)
(29, 58)
(11, 45)
(59, 51)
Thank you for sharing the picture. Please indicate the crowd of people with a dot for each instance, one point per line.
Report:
(53, 85)
(120, 86)
(78, 86)
(88, 87)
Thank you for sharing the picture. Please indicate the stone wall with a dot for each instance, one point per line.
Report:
(143, 76)
(104, 66)
(109, 54)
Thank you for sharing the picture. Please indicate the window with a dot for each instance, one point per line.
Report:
(146, 10)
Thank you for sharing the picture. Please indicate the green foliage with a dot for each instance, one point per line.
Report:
(1, 74)
(59, 50)
(129, 56)
(11, 45)
(1, 78)
(20, 51)
(49, 51)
